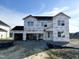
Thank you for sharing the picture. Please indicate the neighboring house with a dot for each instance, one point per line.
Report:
(55, 28)
(4, 30)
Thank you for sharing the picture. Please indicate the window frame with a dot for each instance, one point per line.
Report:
(30, 23)
(42, 23)
(59, 34)
(61, 22)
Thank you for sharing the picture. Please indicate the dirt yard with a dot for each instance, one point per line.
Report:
(38, 50)
(74, 43)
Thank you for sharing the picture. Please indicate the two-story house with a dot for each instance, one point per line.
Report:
(55, 28)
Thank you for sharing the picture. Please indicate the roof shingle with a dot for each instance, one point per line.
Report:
(18, 28)
(40, 17)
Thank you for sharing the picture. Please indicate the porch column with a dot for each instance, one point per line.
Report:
(6, 35)
(37, 36)
(24, 35)
(13, 35)
(44, 36)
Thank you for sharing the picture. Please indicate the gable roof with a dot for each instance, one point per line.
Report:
(45, 17)
(27, 17)
(18, 28)
(4, 24)
(2, 30)
(40, 17)
(61, 13)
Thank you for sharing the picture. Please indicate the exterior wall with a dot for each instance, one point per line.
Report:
(3, 35)
(52, 26)
(26, 27)
(7, 29)
(38, 27)
(37, 24)
(57, 28)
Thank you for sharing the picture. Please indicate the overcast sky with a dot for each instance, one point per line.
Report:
(12, 11)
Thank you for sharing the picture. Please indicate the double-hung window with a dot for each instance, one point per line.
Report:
(61, 23)
(30, 23)
(61, 34)
(42, 23)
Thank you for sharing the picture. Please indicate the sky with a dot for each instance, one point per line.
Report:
(12, 11)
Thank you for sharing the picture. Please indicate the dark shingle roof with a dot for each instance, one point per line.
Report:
(4, 24)
(43, 17)
(2, 30)
(63, 14)
(40, 17)
(18, 28)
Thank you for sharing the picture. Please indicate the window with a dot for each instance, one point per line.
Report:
(61, 34)
(45, 25)
(30, 23)
(42, 24)
(61, 22)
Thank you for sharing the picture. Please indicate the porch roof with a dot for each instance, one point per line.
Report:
(18, 28)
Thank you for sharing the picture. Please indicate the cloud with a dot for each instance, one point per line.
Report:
(10, 17)
(73, 28)
(14, 18)
(55, 11)
(72, 12)
(74, 24)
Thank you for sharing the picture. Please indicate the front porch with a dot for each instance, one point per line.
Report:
(33, 36)
(38, 36)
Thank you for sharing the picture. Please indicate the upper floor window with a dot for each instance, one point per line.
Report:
(30, 23)
(42, 24)
(61, 23)
(45, 25)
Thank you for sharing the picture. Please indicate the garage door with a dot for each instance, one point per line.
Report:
(31, 36)
(18, 36)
